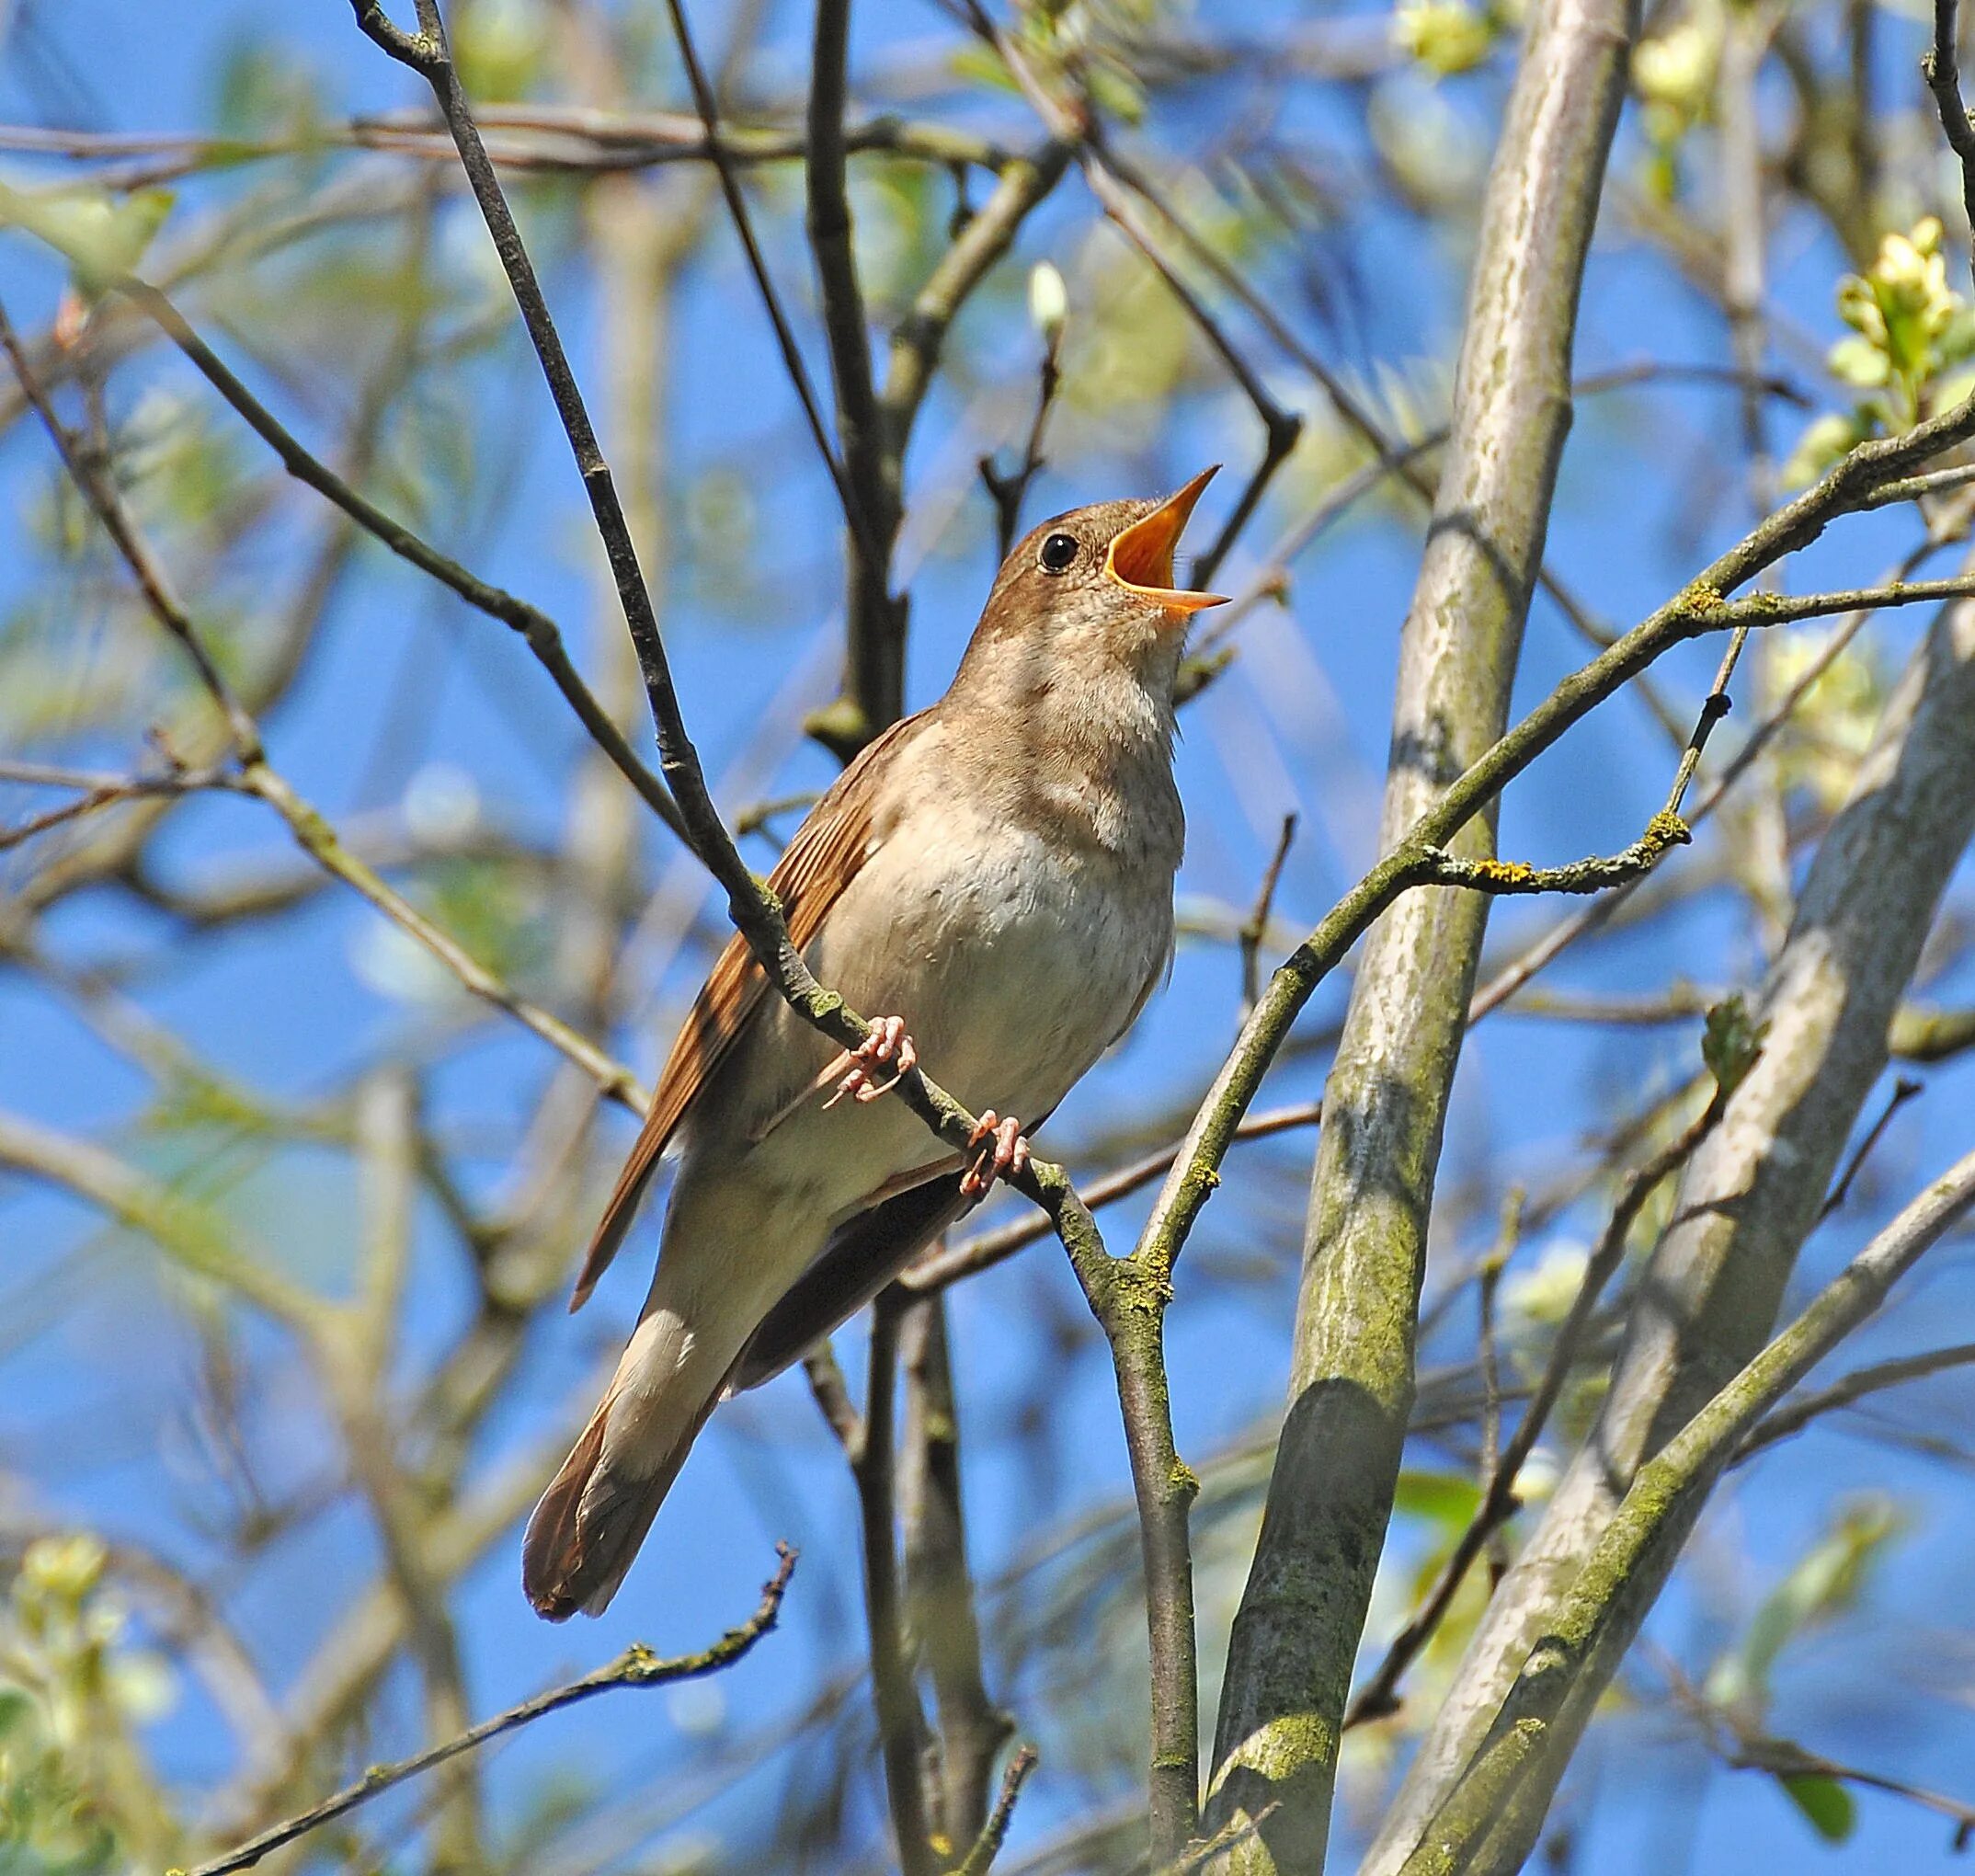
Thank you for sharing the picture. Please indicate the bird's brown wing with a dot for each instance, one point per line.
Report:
(823, 858)
(865, 1253)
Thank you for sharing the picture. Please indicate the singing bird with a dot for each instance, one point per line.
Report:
(995, 873)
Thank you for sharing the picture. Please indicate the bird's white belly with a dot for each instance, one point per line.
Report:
(1014, 969)
(1013, 966)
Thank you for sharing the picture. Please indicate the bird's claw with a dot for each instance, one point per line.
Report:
(1004, 1152)
(887, 1043)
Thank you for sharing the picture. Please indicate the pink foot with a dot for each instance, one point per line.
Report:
(1007, 1154)
(887, 1043)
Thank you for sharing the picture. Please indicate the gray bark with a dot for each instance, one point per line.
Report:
(1296, 1632)
(1712, 1288)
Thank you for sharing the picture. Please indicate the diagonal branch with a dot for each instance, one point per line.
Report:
(637, 1666)
(457, 116)
(1654, 1516)
(1746, 1201)
(258, 777)
(1379, 1696)
(536, 628)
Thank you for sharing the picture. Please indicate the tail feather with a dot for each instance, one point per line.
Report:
(586, 1530)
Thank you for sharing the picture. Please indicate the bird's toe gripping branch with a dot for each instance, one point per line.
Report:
(887, 1045)
(1003, 1153)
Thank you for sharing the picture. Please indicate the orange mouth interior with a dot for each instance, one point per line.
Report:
(1141, 559)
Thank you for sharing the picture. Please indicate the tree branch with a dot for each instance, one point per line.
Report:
(987, 1845)
(939, 1588)
(1297, 1633)
(312, 832)
(1941, 68)
(855, 517)
(537, 630)
(1790, 1420)
(876, 616)
(1745, 1203)
(637, 1666)
(1379, 1696)
(1650, 1522)
(901, 1725)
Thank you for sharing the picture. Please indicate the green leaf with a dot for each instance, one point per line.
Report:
(101, 235)
(1730, 1042)
(1443, 1498)
(1833, 1810)
(17, 1708)
(982, 66)
(1857, 360)
(1823, 1583)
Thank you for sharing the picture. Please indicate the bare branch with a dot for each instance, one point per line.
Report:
(312, 832)
(1941, 68)
(538, 631)
(1379, 1696)
(939, 1599)
(987, 1845)
(1744, 1205)
(876, 617)
(637, 1666)
(1255, 927)
(1788, 1421)
(1653, 1516)
(901, 1724)
(456, 113)
(1903, 1090)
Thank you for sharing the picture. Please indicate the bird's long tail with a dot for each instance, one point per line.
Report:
(589, 1523)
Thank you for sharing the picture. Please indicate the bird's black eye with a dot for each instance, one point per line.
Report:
(1059, 551)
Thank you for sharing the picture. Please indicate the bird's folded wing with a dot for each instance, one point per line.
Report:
(839, 835)
(865, 1253)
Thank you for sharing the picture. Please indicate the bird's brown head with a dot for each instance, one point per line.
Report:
(1092, 590)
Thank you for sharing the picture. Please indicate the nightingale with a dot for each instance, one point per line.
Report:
(996, 875)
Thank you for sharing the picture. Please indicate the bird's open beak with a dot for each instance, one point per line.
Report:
(1141, 559)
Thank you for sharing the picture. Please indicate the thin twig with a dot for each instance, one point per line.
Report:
(257, 777)
(708, 107)
(1790, 1420)
(637, 1666)
(145, 567)
(1487, 1281)
(972, 1255)
(832, 1396)
(1941, 68)
(1255, 927)
(1506, 982)
(901, 1725)
(107, 793)
(940, 1613)
(994, 1833)
(1010, 491)
(1746, 1748)
(1379, 1696)
(1657, 1510)
(1597, 873)
(876, 618)
(1903, 1090)
(538, 631)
